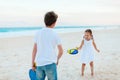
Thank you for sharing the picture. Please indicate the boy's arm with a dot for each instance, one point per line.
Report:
(34, 55)
(60, 52)
(81, 45)
(95, 46)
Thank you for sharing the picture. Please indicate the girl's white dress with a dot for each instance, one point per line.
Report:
(87, 52)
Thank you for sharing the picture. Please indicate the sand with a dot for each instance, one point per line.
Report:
(15, 57)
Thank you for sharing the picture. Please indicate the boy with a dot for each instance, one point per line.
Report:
(44, 54)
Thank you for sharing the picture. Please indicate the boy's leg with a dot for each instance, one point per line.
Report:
(51, 71)
(91, 66)
(40, 73)
(83, 68)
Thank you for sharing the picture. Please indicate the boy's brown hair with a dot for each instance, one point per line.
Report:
(50, 18)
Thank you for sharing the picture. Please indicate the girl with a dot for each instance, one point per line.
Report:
(87, 54)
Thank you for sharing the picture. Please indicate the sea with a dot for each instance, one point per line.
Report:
(6, 32)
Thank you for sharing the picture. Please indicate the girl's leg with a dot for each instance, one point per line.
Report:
(83, 68)
(92, 68)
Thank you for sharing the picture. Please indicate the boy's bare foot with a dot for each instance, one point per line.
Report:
(92, 74)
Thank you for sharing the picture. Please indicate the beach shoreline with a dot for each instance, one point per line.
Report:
(26, 31)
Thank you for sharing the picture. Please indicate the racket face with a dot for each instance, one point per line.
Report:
(32, 74)
(75, 52)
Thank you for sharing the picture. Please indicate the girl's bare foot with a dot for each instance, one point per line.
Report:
(92, 74)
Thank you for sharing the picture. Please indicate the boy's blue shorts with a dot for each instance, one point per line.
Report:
(48, 70)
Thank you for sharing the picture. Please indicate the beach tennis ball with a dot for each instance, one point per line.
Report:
(68, 51)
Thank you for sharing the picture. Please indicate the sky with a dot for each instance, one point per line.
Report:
(22, 13)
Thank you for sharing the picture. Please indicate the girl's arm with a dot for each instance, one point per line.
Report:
(81, 45)
(95, 46)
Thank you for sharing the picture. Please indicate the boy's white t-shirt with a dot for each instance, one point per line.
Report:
(47, 40)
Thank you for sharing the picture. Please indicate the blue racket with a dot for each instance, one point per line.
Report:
(32, 74)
